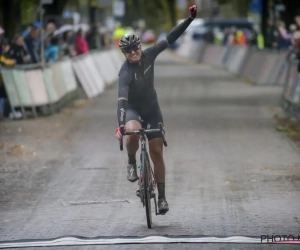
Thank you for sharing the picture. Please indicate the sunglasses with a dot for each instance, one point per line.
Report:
(131, 48)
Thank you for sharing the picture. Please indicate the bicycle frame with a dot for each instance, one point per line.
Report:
(146, 194)
(142, 132)
(143, 140)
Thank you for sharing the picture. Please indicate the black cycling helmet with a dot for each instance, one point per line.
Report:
(128, 40)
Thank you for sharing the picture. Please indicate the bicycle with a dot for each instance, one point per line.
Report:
(147, 182)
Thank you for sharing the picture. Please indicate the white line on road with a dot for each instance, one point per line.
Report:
(73, 241)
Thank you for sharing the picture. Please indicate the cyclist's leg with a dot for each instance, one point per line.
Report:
(133, 122)
(156, 154)
(156, 144)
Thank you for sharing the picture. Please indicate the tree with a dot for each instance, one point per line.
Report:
(154, 12)
(29, 10)
(54, 11)
(10, 11)
(172, 11)
(241, 7)
(15, 13)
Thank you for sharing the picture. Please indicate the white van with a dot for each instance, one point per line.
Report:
(197, 26)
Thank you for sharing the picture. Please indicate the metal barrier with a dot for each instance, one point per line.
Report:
(290, 98)
(275, 68)
(34, 88)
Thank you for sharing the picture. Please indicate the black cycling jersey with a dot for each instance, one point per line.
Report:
(136, 80)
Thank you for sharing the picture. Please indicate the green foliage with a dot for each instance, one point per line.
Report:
(154, 12)
(159, 14)
(240, 6)
(28, 11)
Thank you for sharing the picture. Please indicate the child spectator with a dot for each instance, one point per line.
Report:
(51, 53)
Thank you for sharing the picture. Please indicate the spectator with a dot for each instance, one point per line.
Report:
(18, 51)
(67, 45)
(226, 35)
(1, 38)
(93, 37)
(118, 32)
(37, 26)
(31, 43)
(4, 61)
(271, 35)
(68, 37)
(296, 38)
(283, 39)
(49, 34)
(292, 30)
(297, 21)
(51, 27)
(106, 38)
(254, 39)
(51, 53)
(5, 58)
(238, 37)
(27, 30)
(81, 44)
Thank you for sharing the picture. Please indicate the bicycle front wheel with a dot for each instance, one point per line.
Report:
(147, 187)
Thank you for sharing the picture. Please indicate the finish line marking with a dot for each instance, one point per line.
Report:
(75, 241)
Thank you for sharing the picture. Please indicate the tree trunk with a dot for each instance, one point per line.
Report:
(242, 7)
(172, 11)
(11, 17)
(132, 11)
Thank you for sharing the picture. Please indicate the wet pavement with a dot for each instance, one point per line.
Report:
(229, 173)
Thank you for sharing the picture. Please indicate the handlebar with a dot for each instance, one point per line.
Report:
(146, 131)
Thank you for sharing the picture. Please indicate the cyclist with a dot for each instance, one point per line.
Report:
(138, 104)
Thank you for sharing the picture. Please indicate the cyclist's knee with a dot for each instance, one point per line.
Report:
(132, 125)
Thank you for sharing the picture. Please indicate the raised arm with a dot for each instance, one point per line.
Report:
(178, 30)
(174, 34)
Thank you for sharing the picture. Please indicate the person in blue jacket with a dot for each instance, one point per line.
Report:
(51, 53)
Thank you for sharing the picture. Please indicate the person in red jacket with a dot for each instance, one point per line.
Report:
(81, 44)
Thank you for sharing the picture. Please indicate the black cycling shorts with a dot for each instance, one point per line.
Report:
(149, 121)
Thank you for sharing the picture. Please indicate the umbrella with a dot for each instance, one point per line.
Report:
(63, 29)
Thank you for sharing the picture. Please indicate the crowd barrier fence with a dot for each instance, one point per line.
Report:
(260, 67)
(50, 88)
(33, 88)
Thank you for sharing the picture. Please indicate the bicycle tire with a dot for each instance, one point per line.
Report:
(147, 197)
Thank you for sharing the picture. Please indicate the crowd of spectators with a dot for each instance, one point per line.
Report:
(68, 40)
(53, 44)
(278, 36)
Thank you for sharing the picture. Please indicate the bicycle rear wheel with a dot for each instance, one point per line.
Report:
(147, 187)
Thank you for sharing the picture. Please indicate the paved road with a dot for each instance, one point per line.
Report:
(228, 171)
